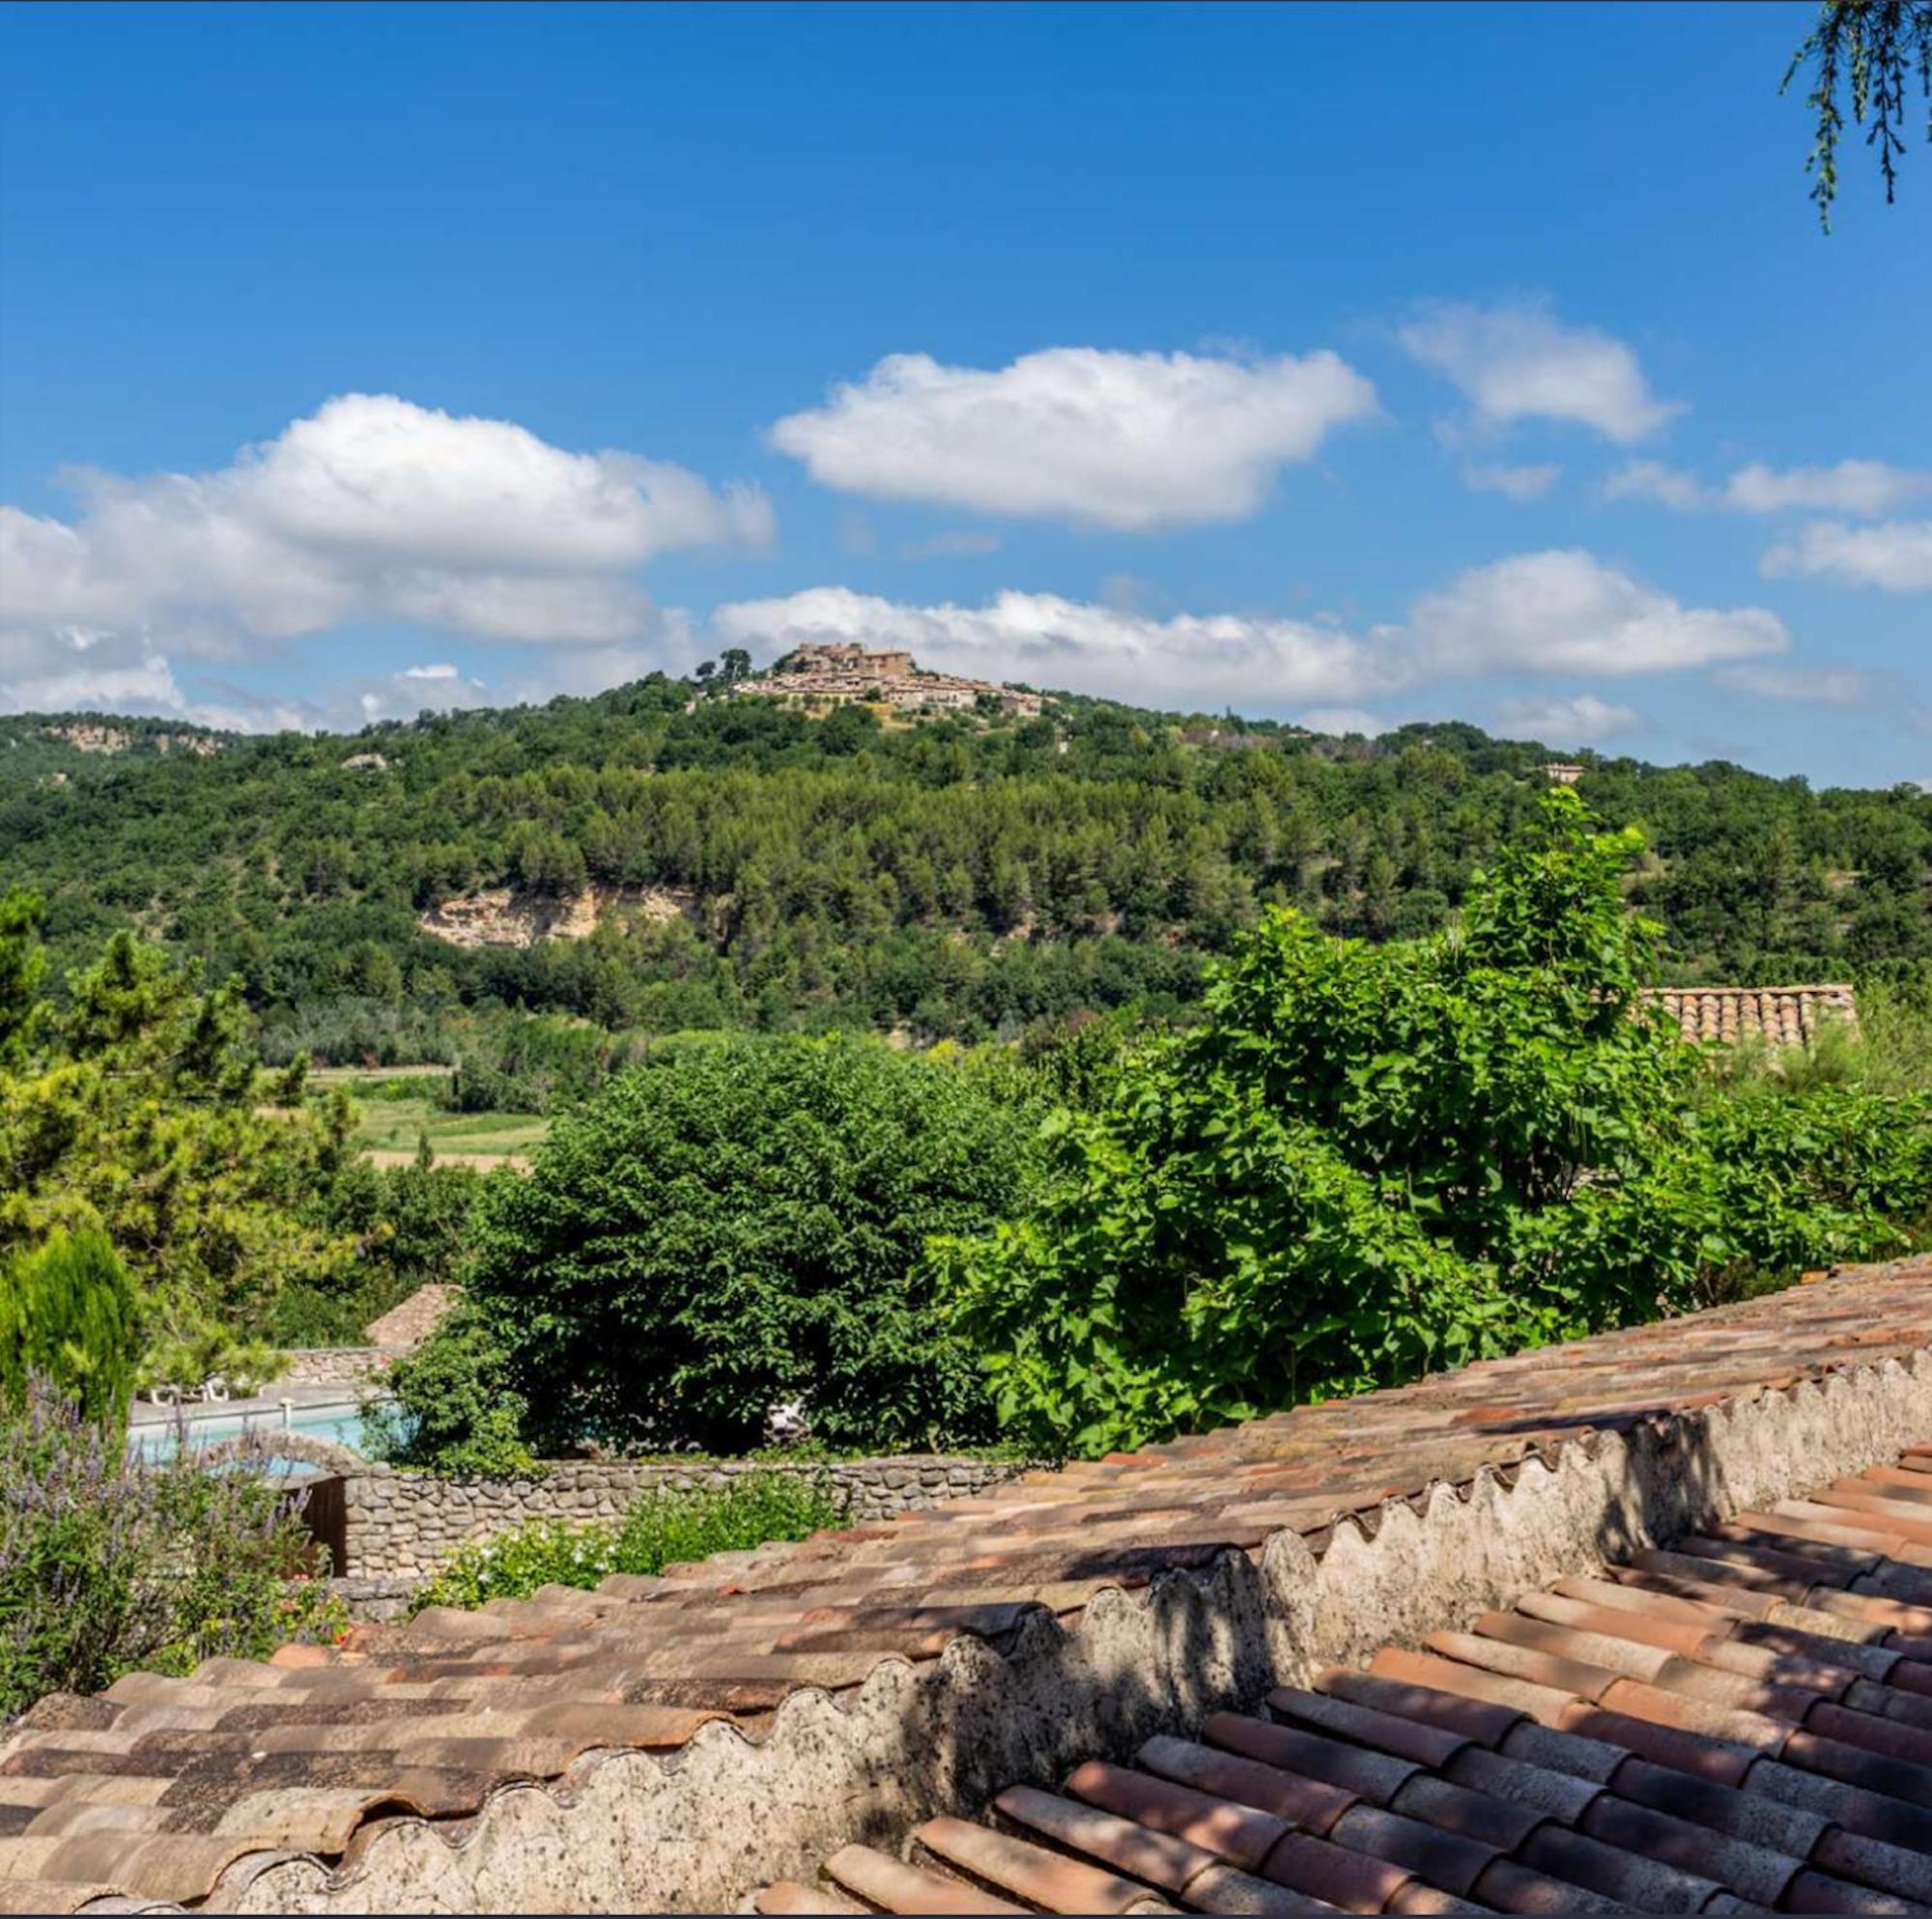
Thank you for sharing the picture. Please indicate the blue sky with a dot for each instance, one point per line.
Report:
(1367, 364)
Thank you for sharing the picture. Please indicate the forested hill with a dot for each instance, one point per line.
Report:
(732, 862)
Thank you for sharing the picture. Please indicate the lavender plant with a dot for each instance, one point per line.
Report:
(111, 1562)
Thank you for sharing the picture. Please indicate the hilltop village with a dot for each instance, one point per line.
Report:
(847, 675)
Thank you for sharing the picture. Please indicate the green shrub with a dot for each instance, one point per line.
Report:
(735, 1225)
(110, 1563)
(662, 1528)
(452, 1407)
(69, 1314)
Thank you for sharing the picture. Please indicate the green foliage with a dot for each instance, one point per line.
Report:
(132, 1110)
(1785, 1182)
(524, 1064)
(736, 1225)
(68, 1315)
(956, 878)
(450, 1405)
(1373, 1161)
(110, 1563)
(1868, 50)
(662, 1528)
(21, 967)
(409, 1228)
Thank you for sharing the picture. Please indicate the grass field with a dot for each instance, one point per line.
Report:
(387, 1129)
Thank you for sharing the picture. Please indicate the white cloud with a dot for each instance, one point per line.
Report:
(370, 509)
(1817, 686)
(1518, 482)
(1560, 613)
(1667, 486)
(1117, 439)
(1566, 611)
(1897, 555)
(1564, 720)
(1518, 361)
(143, 685)
(1863, 488)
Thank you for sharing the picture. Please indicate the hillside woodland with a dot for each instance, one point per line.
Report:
(660, 857)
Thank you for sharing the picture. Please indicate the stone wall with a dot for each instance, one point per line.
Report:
(329, 1366)
(401, 1522)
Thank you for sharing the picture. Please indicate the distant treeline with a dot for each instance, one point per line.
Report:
(967, 876)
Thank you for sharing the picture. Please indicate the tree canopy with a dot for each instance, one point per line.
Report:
(749, 865)
(736, 1225)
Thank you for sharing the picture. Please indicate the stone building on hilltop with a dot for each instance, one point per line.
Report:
(843, 673)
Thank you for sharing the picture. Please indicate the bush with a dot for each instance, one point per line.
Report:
(109, 1564)
(1793, 1181)
(739, 1225)
(1373, 1161)
(69, 1314)
(452, 1407)
(662, 1528)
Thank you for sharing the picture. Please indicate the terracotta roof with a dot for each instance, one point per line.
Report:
(1786, 1015)
(157, 1786)
(413, 1322)
(1740, 1725)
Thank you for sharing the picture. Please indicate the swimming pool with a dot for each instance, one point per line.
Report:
(339, 1422)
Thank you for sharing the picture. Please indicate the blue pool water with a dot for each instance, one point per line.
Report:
(339, 1423)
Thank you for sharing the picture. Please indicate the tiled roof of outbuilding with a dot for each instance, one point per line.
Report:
(157, 1787)
(413, 1322)
(1785, 1015)
(1740, 1725)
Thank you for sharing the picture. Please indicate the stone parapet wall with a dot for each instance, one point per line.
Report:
(330, 1366)
(402, 1522)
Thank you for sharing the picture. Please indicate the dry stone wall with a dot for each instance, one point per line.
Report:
(402, 1522)
(330, 1366)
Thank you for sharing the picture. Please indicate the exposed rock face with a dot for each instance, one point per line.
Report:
(501, 916)
(92, 737)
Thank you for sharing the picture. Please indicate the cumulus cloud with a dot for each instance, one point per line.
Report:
(1566, 720)
(1518, 482)
(1895, 555)
(1863, 488)
(1558, 613)
(143, 684)
(1518, 361)
(1860, 488)
(1124, 440)
(1566, 611)
(372, 508)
